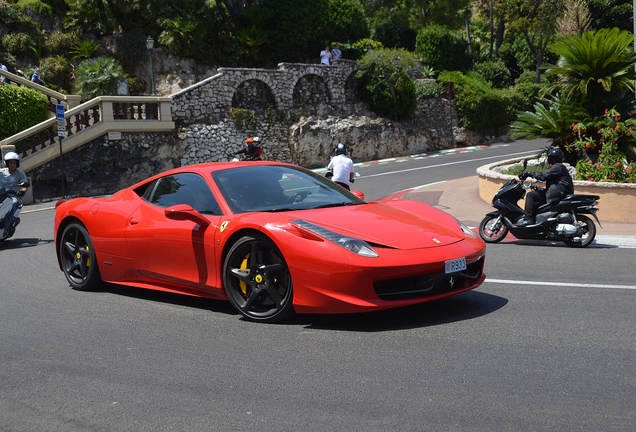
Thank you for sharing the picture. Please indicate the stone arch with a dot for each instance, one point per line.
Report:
(254, 94)
(351, 90)
(311, 89)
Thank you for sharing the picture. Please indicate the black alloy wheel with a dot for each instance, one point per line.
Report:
(588, 233)
(492, 231)
(77, 256)
(257, 280)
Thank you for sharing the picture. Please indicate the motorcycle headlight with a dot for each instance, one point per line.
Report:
(352, 244)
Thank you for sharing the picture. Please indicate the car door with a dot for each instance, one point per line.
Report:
(179, 252)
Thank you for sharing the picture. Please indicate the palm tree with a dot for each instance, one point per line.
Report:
(596, 69)
(97, 77)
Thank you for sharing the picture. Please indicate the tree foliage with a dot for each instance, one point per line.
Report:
(595, 69)
(443, 49)
(302, 29)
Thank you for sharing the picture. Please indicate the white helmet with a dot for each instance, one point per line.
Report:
(257, 141)
(12, 156)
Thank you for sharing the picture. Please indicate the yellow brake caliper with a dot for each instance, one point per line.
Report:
(244, 265)
(88, 260)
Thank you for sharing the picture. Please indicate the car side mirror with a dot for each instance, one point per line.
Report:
(185, 212)
(358, 194)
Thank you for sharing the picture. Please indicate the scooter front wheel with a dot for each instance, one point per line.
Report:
(492, 229)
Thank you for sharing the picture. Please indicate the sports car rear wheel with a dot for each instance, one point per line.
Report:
(77, 257)
(257, 280)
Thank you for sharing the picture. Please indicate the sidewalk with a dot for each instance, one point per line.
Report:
(461, 199)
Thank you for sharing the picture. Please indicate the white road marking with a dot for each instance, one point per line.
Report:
(564, 284)
(449, 163)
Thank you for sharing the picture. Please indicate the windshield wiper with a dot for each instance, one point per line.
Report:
(280, 209)
(340, 204)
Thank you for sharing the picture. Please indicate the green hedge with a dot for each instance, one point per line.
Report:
(20, 108)
(479, 105)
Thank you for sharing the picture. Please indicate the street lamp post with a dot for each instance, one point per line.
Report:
(150, 44)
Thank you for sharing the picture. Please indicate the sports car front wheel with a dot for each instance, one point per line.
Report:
(77, 257)
(257, 280)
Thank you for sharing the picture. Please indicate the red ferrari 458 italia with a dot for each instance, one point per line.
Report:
(272, 238)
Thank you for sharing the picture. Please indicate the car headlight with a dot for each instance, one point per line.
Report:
(352, 244)
(466, 229)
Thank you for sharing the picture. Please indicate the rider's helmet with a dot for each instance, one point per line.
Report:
(249, 142)
(555, 155)
(341, 149)
(12, 156)
(257, 141)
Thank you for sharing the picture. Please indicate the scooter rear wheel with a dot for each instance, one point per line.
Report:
(492, 231)
(589, 232)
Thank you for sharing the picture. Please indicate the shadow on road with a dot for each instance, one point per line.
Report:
(221, 306)
(18, 243)
(469, 305)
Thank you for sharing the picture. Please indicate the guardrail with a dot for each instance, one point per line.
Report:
(37, 145)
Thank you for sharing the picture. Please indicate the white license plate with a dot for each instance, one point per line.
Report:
(455, 265)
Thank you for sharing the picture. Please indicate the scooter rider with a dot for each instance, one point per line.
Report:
(252, 149)
(558, 184)
(342, 167)
(10, 179)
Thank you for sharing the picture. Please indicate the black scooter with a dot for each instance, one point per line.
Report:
(563, 220)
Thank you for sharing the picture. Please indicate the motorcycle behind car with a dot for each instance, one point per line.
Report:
(563, 220)
(6, 202)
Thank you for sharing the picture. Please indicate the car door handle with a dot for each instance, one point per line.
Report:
(134, 221)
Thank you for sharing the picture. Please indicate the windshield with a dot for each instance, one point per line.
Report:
(279, 188)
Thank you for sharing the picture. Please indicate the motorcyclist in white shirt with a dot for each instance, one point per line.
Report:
(11, 178)
(342, 167)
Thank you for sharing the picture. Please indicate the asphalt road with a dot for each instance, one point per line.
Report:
(522, 352)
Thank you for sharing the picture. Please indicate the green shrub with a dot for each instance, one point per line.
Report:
(479, 106)
(17, 43)
(59, 42)
(20, 108)
(15, 19)
(55, 69)
(97, 77)
(37, 6)
(84, 49)
(428, 89)
(131, 48)
(442, 49)
(385, 85)
(496, 73)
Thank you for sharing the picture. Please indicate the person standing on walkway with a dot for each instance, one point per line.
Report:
(336, 53)
(342, 167)
(2, 78)
(325, 56)
(36, 76)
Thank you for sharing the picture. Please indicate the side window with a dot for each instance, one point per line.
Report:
(184, 188)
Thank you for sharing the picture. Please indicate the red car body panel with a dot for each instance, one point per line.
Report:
(136, 244)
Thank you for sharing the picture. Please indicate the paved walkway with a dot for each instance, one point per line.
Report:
(461, 199)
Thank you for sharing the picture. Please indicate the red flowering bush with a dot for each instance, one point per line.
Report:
(600, 155)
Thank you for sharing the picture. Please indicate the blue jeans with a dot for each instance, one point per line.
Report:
(9, 217)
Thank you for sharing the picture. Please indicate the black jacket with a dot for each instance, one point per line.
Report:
(558, 182)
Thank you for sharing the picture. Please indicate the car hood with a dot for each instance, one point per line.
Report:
(396, 224)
